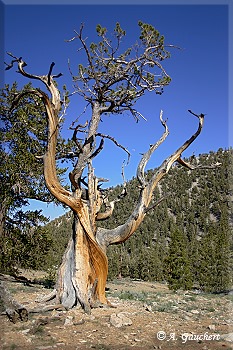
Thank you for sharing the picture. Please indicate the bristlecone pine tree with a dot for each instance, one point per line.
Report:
(110, 83)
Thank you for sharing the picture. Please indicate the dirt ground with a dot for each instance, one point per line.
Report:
(156, 318)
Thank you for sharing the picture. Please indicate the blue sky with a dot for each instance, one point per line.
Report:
(199, 73)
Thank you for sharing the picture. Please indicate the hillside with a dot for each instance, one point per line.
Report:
(187, 238)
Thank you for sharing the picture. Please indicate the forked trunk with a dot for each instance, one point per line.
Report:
(83, 272)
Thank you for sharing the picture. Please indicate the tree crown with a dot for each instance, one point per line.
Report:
(117, 79)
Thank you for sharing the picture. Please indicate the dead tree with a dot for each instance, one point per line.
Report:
(109, 84)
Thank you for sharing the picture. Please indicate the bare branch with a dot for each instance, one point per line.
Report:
(76, 120)
(90, 60)
(98, 150)
(147, 155)
(16, 59)
(191, 167)
(116, 143)
(52, 110)
(50, 72)
(157, 203)
(196, 115)
(77, 129)
(46, 79)
(110, 205)
(123, 232)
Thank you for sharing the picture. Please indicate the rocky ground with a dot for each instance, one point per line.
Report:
(146, 316)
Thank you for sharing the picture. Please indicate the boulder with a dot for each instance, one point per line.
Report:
(120, 320)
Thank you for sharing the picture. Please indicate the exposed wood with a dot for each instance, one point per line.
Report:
(47, 297)
(46, 308)
(13, 309)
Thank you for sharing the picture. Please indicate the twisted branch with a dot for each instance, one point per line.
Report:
(123, 232)
(147, 155)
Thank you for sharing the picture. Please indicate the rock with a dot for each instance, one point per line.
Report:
(125, 320)
(56, 313)
(68, 321)
(36, 324)
(87, 317)
(187, 318)
(115, 321)
(25, 331)
(78, 322)
(211, 327)
(194, 311)
(227, 337)
(120, 320)
(148, 307)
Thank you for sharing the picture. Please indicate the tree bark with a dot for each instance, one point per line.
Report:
(82, 275)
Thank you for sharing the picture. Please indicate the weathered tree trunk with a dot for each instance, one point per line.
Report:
(83, 272)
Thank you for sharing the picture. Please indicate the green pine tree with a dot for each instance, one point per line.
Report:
(22, 136)
(215, 260)
(179, 275)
